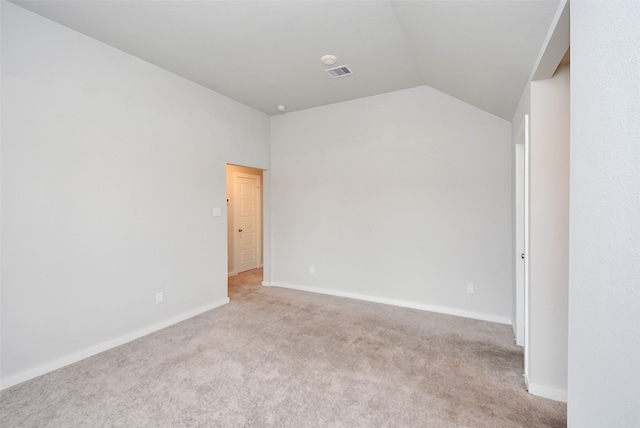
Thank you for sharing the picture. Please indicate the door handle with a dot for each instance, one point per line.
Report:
(240, 230)
(522, 256)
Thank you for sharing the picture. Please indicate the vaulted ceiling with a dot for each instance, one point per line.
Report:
(266, 53)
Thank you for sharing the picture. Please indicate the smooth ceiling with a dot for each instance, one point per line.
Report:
(265, 53)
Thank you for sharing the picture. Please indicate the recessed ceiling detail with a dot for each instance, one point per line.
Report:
(337, 72)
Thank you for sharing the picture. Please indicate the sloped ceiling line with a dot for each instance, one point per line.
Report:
(266, 53)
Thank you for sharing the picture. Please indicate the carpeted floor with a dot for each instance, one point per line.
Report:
(284, 358)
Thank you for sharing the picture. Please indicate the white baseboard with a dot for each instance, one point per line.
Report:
(542, 391)
(233, 273)
(104, 346)
(393, 302)
(266, 283)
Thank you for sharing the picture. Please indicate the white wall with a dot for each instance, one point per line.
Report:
(110, 170)
(549, 235)
(403, 197)
(604, 273)
(524, 108)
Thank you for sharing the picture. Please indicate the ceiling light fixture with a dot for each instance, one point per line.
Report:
(282, 108)
(329, 59)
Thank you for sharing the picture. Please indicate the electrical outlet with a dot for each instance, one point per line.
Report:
(159, 297)
(470, 288)
(312, 269)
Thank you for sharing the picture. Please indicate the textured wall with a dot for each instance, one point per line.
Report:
(604, 274)
(549, 235)
(402, 197)
(110, 170)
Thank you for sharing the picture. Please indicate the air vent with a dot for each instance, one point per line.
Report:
(341, 71)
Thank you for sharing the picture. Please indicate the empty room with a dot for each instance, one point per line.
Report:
(320, 213)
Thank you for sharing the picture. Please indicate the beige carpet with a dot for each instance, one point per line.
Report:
(276, 357)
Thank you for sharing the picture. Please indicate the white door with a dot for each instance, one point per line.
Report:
(246, 208)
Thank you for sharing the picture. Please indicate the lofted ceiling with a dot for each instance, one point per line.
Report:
(266, 53)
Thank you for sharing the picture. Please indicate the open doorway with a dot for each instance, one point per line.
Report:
(244, 219)
(245, 234)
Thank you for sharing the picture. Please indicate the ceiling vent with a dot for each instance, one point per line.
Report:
(341, 71)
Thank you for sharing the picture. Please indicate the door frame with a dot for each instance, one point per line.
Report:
(519, 236)
(522, 238)
(260, 214)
